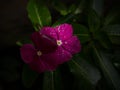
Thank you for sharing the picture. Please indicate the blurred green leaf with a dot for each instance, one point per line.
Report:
(84, 5)
(117, 66)
(52, 81)
(64, 19)
(38, 13)
(19, 43)
(115, 40)
(72, 8)
(82, 32)
(110, 18)
(116, 55)
(86, 75)
(93, 21)
(98, 6)
(77, 10)
(113, 16)
(103, 39)
(113, 32)
(60, 7)
(110, 73)
(28, 76)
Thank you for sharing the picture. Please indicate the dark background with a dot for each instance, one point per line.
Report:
(14, 26)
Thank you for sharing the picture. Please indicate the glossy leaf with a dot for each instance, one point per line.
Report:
(38, 13)
(85, 74)
(110, 73)
(28, 76)
(52, 81)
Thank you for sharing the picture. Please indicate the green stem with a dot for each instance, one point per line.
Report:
(52, 75)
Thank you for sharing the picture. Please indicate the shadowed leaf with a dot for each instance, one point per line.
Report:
(52, 81)
(86, 74)
(110, 73)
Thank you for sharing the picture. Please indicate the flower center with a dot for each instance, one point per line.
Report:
(59, 42)
(39, 53)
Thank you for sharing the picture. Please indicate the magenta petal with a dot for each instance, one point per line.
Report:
(37, 65)
(72, 45)
(36, 37)
(40, 65)
(27, 53)
(43, 43)
(58, 57)
(50, 32)
(49, 62)
(64, 31)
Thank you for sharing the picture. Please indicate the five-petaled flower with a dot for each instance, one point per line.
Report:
(52, 46)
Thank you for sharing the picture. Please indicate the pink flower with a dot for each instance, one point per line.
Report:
(67, 43)
(36, 56)
(52, 46)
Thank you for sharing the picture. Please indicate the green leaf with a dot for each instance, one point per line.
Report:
(110, 73)
(38, 13)
(110, 18)
(77, 11)
(98, 6)
(84, 5)
(72, 8)
(93, 21)
(52, 81)
(82, 32)
(28, 76)
(86, 75)
(103, 39)
(64, 19)
(113, 16)
(115, 40)
(113, 32)
(116, 55)
(60, 7)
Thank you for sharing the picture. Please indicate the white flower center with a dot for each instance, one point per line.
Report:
(59, 42)
(39, 53)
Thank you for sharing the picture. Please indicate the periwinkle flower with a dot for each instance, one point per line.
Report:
(52, 46)
(36, 56)
(67, 43)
